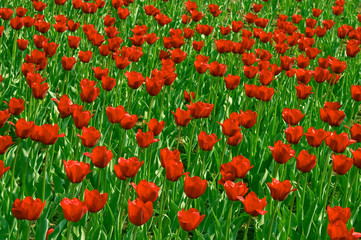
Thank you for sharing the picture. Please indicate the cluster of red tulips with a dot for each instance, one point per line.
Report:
(62, 163)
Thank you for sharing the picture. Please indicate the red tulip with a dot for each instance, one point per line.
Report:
(182, 117)
(85, 56)
(200, 109)
(338, 213)
(229, 127)
(81, 118)
(3, 169)
(235, 191)
(4, 116)
(23, 129)
(242, 166)
(76, 171)
(194, 187)
(167, 155)
(341, 164)
(294, 134)
(100, 156)
(217, 70)
(128, 167)
(28, 208)
(90, 136)
(95, 201)
(206, 142)
(173, 170)
(145, 139)
(128, 121)
(281, 152)
(338, 142)
(305, 161)
(253, 206)
(116, 114)
(356, 157)
(73, 209)
(292, 116)
(139, 212)
(68, 63)
(155, 126)
(5, 143)
(146, 191)
(88, 92)
(189, 220)
(280, 190)
(16, 106)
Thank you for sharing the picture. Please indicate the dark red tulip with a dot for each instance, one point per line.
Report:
(100, 156)
(68, 63)
(95, 201)
(356, 157)
(76, 171)
(315, 137)
(173, 170)
(167, 155)
(253, 206)
(88, 92)
(23, 129)
(116, 114)
(305, 161)
(5, 143)
(294, 134)
(303, 91)
(90, 136)
(235, 139)
(206, 142)
(189, 220)
(248, 119)
(338, 213)
(81, 118)
(155, 126)
(356, 132)
(194, 187)
(4, 116)
(73, 209)
(235, 191)
(73, 41)
(47, 134)
(65, 106)
(242, 166)
(128, 121)
(341, 164)
(338, 142)
(22, 44)
(135, 79)
(145, 139)
(29, 208)
(16, 106)
(85, 56)
(331, 114)
(200, 109)
(292, 116)
(146, 191)
(139, 212)
(232, 81)
(217, 70)
(188, 97)
(108, 83)
(281, 152)
(280, 190)
(229, 127)
(154, 85)
(228, 172)
(128, 167)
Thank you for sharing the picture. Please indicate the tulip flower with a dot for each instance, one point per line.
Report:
(81, 118)
(182, 117)
(139, 212)
(280, 190)
(146, 191)
(16, 106)
(116, 114)
(76, 171)
(4, 116)
(95, 201)
(155, 126)
(235, 191)
(128, 121)
(29, 208)
(356, 157)
(194, 187)
(189, 220)
(145, 139)
(206, 142)
(100, 156)
(281, 152)
(128, 168)
(338, 213)
(73, 209)
(253, 206)
(3, 169)
(338, 142)
(90, 136)
(242, 165)
(292, 116)
(341, 164)
(305, 161)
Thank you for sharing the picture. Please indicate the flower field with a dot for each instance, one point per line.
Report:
(165, 119)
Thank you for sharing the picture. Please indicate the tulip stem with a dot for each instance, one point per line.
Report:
(224, 150)
(229, 218)
(150, 110)
(26, 169)
(292, 203)
(162, 104)
(323, 174)
(247, 227)
(276, 169)
(99, 176)
(44, 178)
(334, 188)
(327, 191)
(348, 192)
(70, 237)
(179, 134)
(122, 143)
(28, 230)
(102, 117)
(272, 220)
(135, 232)
(88, 226)
(14, 50)
(14, 166)
(130, 99)
(18, 233)
(190, 146)
(203, 160)
(162, 205)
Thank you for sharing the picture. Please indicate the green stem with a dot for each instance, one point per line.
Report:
(179, 134)
(348, 192)
(14, 166)
(130, 99)
(26, 169)
(122, 143)
(190, 146)
(334, 189)
(99, 176)
(224, 150)
(203, 162)
(247, 227)
(88, 226)
(229, 218)
(135, 233)
(291, 207)
(276, 169)
(28, 231)
(102, 117)
(162, 205)
(323, 175)
(70, 237)
(150, 109)
(44, 177)
(327, 191)
(272, 220)
(18, 233)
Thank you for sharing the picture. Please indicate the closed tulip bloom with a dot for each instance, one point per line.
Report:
(85, 56)
(294, 134)
(167, 155)
(115, 114)
(206, 142)
(331, 114)
(108, 83)
(292, 116)
(235, 191)
(155, 126)
(303, 91)
(68, 63)
(338, 229)
(194, 187)
(200, 109)
(145, 139)
(248, 119)
(305, 161)
(356, 92)
(338, 142)
(135, 79)
(90, 136)
(81, 118)
(188, 97)
(280, 190)
(29, 208)
(95, 201)
(217, 70)
(88, 92)
(235, 139)
(242, 166)
(22, 44)
(47, 134)
(16, 106)
(74, 41)
(341, 164)
(139, 212)
(100, 156)
(338, 213)
(189, 220)
(356, 132)
(99, 72)
(281, 152)
(315, 137)
(73, 209)
(3, 169)
(128, 167)
(76, 171)
(128, 121)
(229, 127)
(232, 81)
(253, 206)
(174, 170)
(5, 143)
(146, 191)
(39, 90)
(182, 117)
(23, 129)
(178, 55)
(4, 116)
(356, 157)
(228, 172)
(154, 85)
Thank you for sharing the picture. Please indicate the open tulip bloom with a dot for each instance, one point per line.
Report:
(140, 119)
